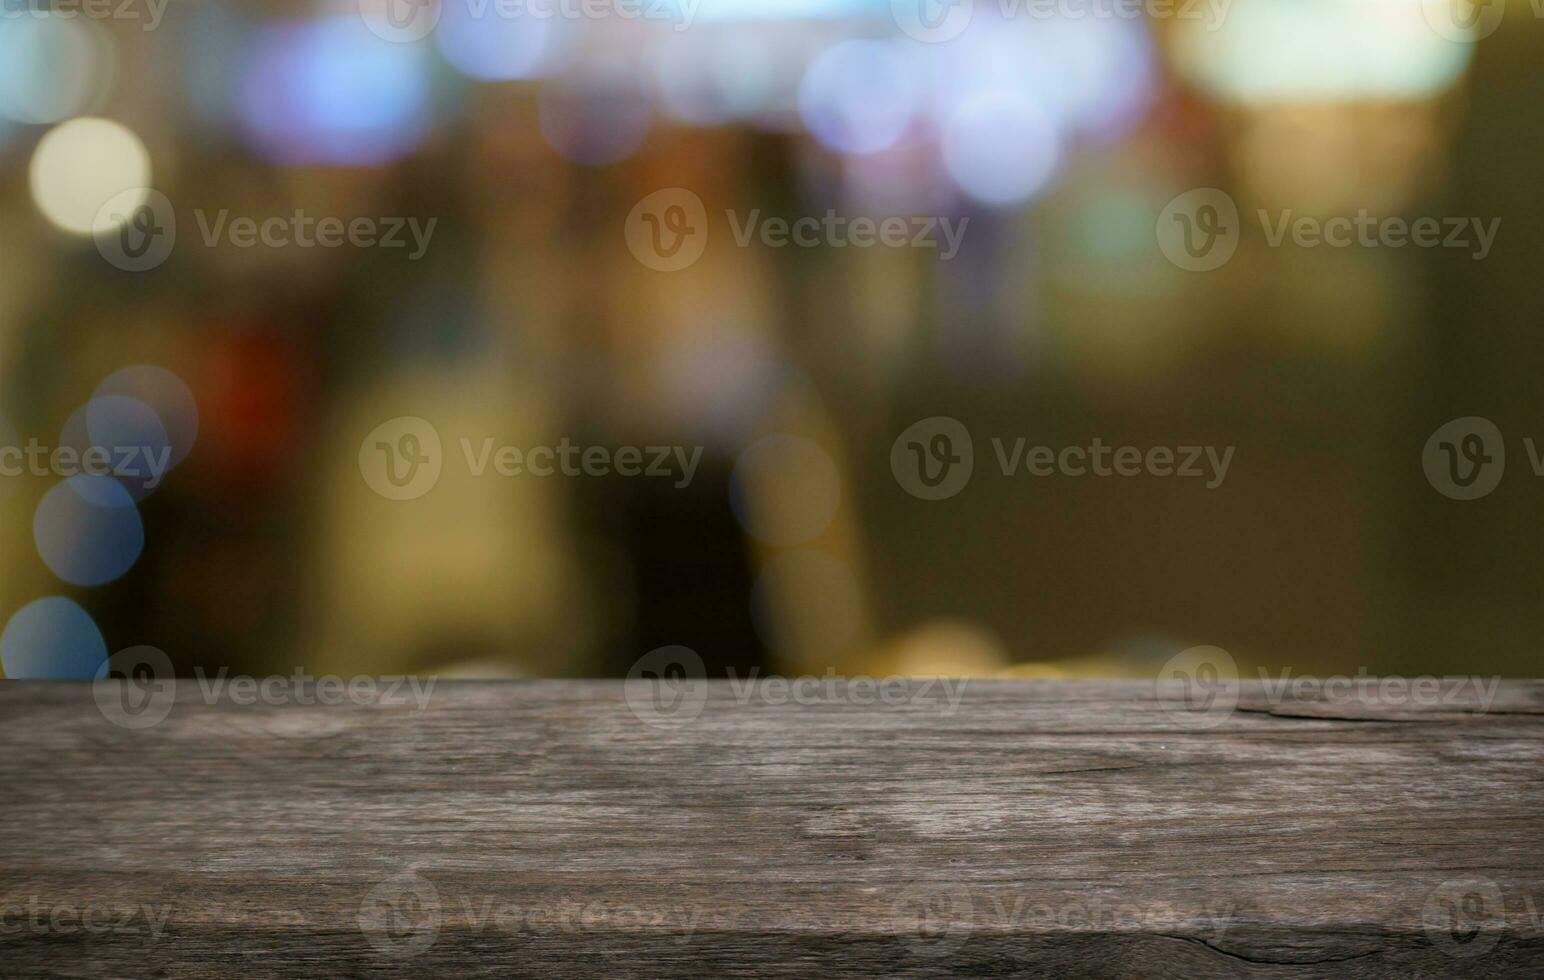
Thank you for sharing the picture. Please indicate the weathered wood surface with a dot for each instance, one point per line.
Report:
(508, 830)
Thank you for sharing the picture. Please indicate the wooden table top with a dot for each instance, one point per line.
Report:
(592, 828)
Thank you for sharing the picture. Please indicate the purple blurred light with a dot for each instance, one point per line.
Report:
(487, 44)
(595, 121)
(1001, 148)
(859, 96)
(331, 92)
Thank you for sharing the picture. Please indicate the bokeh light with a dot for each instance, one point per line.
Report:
(949, 648)
(81, 165)
(218, 42)
(133, 436)
(52, 639)
(808, 600)
(903, 180)
(494, 47)
(767, 11)
(1000, 148)
(691, 84)
(859, 96)
(528, 321)
(1291, 50)
(1088, 76)
(52, 67)
(710, 76)
(721, 387)
(760, 78)
(785, 490)
(331, 92)
(167, 396)
(1107, 73)
(88, 531)
(595, 121)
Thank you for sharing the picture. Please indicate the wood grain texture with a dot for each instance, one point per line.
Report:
(1057, 829)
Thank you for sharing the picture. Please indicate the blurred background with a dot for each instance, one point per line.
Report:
(530, 134)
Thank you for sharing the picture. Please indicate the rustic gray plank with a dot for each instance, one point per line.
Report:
(545, 829)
